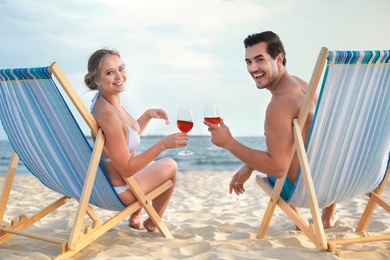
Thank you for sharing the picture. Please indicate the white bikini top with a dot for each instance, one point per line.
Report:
(134, 138)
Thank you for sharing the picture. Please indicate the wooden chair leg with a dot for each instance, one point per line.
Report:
(375, 198)
(9, 179)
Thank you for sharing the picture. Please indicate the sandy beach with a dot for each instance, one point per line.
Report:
(206, 221)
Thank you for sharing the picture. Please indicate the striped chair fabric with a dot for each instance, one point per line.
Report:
(45, 135)
(349, 145)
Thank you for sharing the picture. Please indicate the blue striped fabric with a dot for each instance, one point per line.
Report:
(46, 136)
(349, 146)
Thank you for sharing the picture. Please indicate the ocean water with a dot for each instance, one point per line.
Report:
(201, 160)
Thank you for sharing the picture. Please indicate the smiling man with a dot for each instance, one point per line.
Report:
(265, 59)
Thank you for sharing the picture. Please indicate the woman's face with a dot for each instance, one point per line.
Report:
(112, 75)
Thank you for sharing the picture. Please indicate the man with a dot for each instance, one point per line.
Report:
(265, 58)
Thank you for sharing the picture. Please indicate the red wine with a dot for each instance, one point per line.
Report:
(213, 120)
(184, 126)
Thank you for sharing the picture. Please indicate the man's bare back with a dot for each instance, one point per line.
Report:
(285, 106)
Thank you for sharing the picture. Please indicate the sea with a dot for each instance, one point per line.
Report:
(202, 159)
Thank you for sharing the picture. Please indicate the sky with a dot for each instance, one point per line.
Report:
(186, 53)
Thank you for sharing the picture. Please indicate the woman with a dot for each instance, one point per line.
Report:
(107, 74)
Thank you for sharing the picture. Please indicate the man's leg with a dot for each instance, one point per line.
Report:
(329, 216)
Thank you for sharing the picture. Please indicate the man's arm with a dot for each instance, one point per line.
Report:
(276, 160)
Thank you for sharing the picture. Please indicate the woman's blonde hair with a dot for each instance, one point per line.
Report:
(94, 64)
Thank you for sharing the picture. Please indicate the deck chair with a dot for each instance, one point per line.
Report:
(348, 150)
(45, 136)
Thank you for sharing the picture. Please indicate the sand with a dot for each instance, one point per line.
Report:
(206, 221)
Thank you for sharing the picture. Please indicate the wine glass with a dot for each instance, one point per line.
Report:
(211, 115)
(185, 124)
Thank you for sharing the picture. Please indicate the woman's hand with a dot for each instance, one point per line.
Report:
(158, 113)
(175, 140)
(144, 120)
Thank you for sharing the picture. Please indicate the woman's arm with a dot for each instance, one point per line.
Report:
(116, 145)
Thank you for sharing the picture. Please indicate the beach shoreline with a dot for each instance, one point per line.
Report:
(205, 220)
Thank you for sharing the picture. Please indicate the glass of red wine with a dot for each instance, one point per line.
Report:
(211, 115)
(185, 123)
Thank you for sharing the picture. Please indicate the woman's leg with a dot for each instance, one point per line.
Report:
(135, 219)
(149, 178)
(152, 176)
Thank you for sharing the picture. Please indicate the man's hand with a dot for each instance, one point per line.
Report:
(238, 180)
(220, 134)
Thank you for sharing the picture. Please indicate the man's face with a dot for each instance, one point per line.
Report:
(260, 65)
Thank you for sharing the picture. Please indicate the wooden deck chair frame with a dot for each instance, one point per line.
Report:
(315, 231)
(79, 238)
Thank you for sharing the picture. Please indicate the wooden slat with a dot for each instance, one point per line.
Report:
(9, 179)
(312, 87)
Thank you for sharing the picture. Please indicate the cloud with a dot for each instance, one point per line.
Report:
(184, 52)
(201, 14)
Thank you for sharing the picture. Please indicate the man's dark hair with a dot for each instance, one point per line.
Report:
(274, 44)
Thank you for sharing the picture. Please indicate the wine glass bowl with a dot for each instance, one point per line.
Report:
(185, 123)
(213, 120)
(211, 115)
(184, 126)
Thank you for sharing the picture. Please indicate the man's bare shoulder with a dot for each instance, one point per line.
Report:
(288, 99)
(291, 89)
(282, 104)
